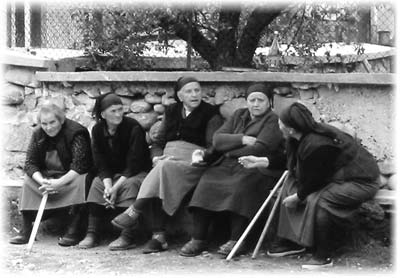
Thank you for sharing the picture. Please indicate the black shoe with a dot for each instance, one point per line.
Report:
(91, 240)
(69, 240)
(155, 246)
(226, 248)
(20, 239)
(317, 263)
(126, 220)
(193, 248)
(285, 248)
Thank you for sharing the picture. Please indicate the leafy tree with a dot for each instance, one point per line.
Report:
(223, 35)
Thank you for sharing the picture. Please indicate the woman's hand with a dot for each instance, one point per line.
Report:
(291, 201)
(248, 140)
(251, 161)
(156, 159)
(51, 186)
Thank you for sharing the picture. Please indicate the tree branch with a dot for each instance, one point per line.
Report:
(180, 26)
(257, 21)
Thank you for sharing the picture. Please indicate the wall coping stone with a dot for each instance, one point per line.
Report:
(26, 60)
(218, 76)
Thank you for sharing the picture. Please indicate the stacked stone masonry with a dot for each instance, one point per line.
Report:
(364, 111)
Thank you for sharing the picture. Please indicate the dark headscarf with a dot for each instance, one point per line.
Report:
(261, 88)
(182, 81)
(297, 116)
(103, 102)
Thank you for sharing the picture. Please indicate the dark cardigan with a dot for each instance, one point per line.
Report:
(270, 142)
(72, 144)
(321, 161)
(192, 129)
(129, 154)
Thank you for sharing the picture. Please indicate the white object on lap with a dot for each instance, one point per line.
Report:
(197, 156)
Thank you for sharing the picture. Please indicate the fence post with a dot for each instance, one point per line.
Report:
(19, 24)
(189, 42)
(36, 22)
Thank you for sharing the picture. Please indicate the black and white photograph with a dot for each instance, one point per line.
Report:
(198, 138)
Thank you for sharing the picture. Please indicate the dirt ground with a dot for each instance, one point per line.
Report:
(372, 258)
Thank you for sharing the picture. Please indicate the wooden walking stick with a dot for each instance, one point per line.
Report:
(37, 221)
(269, 220)
(253, 221)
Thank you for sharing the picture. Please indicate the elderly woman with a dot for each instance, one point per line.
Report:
(57, 162)
(187, 125)
(330, 175)
(227, 186)
(122, 158)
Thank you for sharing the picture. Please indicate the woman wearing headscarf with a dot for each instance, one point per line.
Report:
(57, 162)
(330, 175)
(122, 159)
(229, 187)
(187, 125)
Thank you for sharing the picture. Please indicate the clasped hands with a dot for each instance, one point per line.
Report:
(50, 186)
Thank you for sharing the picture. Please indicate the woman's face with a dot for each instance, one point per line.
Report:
(190, 95)
(257, 103)
(286, 131)
(50, 124)
(113, 115)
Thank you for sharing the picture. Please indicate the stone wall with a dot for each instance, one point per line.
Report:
(365, 111)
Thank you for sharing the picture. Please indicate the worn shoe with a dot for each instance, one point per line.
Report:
(226, 248)
(68, 240)
(193, 248)
(317, 263)
(155, 246)
(20, 239)
(127, 219)
(285, 248)
(91, 240)
(121, 243)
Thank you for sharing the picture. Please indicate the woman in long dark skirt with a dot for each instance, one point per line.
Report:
(57, 162)
(122, 159)
(330, 176)
(227, 186)
(188, 125)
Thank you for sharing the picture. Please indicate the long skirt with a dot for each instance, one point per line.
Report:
(231, 187)
(172, 180)
(340, 200)
(126, 194)
(71, 194)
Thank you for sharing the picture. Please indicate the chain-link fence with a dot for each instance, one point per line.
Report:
(61, 29)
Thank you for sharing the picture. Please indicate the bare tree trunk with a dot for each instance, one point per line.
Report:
(258, 20)
(227, 36)
(204, 47)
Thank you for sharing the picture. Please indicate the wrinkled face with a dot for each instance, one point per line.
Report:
(50, 124)
(286, 131)
(190, 95)
(113, 114)
(257, 103)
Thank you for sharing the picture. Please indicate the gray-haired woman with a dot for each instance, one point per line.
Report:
(57, 162)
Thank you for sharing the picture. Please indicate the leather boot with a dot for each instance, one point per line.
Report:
(92, 236)
(24, 234)
(74, 232)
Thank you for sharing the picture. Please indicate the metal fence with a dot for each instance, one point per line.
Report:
(52, 28)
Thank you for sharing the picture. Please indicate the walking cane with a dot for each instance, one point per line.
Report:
(255, 218)
(37, 221)
(269, 220)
